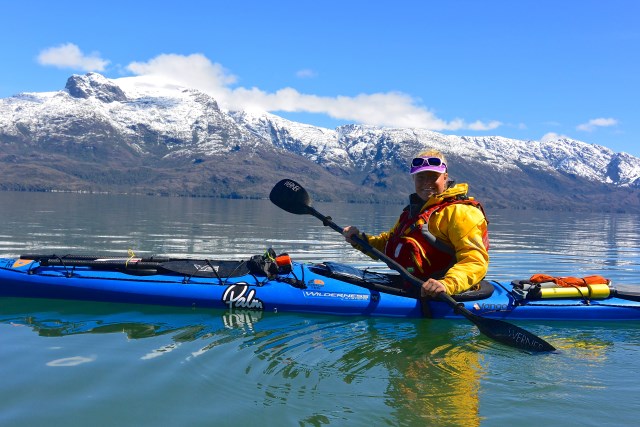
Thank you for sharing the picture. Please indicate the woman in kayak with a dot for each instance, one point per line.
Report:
(441, 236)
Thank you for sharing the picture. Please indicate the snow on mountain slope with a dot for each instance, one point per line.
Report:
(146, 112)
(319, 145)
(141, 110)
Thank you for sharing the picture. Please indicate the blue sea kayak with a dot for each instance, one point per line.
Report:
(329, 288)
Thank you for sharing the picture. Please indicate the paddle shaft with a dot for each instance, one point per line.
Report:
(73, 258)
(107, 264)
(186, 267)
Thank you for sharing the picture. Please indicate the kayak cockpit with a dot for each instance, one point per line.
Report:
(391, 283)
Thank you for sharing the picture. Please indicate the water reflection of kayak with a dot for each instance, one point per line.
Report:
(325, 288)
(57, 318)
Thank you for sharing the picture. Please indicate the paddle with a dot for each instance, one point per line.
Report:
(190, 267)
(292, 197)
(72, 257)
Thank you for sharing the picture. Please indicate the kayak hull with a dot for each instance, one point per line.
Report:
(310, 292)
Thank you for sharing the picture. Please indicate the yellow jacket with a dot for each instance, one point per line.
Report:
(461, 227)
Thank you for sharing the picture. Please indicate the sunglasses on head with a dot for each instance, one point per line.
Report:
(427, 161)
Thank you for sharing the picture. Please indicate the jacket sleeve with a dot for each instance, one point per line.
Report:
(380, 241)
(463, 227)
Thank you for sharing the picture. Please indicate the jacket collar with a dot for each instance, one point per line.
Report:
(417, 205)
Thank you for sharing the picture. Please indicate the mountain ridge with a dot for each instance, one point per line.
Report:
(146, 135)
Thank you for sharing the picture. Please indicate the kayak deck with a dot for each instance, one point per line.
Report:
(328, 288)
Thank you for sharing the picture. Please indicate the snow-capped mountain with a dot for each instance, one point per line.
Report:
(142, 134)
(357, 146)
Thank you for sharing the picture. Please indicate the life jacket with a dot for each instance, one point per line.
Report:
(414, 247)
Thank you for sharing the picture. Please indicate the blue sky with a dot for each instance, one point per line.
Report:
(529, 69)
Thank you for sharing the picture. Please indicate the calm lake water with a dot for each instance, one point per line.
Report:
(78, 364)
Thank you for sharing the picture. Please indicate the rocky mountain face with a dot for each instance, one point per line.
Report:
(142, 135)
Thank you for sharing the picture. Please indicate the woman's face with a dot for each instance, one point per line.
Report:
(430, 183)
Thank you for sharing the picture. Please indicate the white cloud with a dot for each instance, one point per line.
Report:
(478, 125)
(393, 109)
(70, 56)
(306, 74)
(552, 136)
(592, 124)
(192, 70)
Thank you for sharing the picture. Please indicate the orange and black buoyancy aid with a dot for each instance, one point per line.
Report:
(413, 246)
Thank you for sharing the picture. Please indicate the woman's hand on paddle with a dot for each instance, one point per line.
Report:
(349, 232)
(431, 288)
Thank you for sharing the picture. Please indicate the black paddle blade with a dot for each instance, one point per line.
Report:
(511, 335)
(290, 196)
(501, 331)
